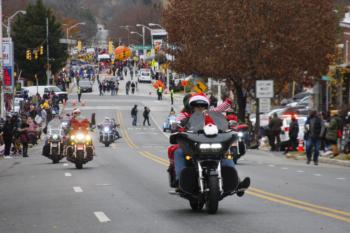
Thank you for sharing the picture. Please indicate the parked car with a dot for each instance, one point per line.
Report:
(297, 98)
(85, 85)
(33, 90)
(302, 102)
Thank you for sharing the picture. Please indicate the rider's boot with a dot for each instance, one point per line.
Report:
(242, 186)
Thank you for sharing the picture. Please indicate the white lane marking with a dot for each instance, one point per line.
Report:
(284, 168)
(65, 165)
(101, 217)
(300, 171)
(271, 165)
(340, 178)
(103, 184)
(77, 189)
(67, 174)
(317, 174)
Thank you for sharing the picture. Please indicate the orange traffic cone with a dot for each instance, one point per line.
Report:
(301, 146)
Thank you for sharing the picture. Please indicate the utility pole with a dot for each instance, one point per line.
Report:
(47, 52)
(1, 68)
(143, 41)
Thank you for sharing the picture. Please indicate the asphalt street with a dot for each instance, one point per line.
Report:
(125, 188)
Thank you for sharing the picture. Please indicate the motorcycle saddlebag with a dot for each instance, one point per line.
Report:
(229, 178)
(188, 181)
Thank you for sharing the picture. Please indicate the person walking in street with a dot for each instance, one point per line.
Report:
(160, 92)
(172, 96)
(134, 115)
(133, 86)
(314, 128)
(79, 93)
(275, 130)
(146, 113)
(332, 133)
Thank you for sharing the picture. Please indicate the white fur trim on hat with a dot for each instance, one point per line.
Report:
(199, 97)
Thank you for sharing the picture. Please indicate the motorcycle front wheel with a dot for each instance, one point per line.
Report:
(55, 157)
(212, 203)
(79, 160)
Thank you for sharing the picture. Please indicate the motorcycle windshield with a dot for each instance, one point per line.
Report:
(54, 127)
(197, 122)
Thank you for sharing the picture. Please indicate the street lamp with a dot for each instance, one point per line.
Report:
(69, 28)
(155, 25)
(127, 28)
(9, 21)
(143, 33)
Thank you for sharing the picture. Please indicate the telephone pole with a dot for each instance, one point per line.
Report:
(47, 52)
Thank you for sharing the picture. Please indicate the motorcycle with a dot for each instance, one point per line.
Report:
(170, 124)
(80, 148)
(107, 136)
(53, 149)
(239, 147)
(204, 181)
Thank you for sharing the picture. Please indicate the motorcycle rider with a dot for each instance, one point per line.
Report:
(54, 123)
(112, 124)
(200, 103)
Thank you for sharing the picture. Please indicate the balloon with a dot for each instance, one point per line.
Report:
(122, 53)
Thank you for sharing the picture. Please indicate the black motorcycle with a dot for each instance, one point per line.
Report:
(53, 149)
(205, 181)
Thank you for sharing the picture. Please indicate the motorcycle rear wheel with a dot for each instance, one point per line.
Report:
(212, 203)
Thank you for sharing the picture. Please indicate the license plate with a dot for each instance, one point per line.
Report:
(80, 147)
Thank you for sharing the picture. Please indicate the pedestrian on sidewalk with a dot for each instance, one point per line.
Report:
(134, 115)
(172, 96)
(333, 132)
(314, 128)
(79, 93)
(293, 135)
(100, 88)
(116, 88)
(127, 87)
(146, 113)
(7, 134)
(275, 130)
(24, 138)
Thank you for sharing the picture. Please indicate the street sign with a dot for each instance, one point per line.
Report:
(200, 87)
(264, 89)
(69, 41)
(140, 47)
(264, 105)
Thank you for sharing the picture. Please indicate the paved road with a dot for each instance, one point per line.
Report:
(125, 188)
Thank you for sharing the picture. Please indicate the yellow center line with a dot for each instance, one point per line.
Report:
(306, 206)
(309, 209)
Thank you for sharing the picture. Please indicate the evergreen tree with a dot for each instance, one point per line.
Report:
(29, 32)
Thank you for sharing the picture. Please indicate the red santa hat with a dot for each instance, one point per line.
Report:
(199, 97)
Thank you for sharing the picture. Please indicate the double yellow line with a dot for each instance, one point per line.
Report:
(124, 132)
(306, 206)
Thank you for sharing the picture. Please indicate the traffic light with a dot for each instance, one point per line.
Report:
(28, 55)
(36, 55)
(110, 47)
(41, 50)
(79, 46)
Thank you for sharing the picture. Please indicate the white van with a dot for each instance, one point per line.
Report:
(33, 90)
(145, 75)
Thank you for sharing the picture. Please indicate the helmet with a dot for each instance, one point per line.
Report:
(199, 100)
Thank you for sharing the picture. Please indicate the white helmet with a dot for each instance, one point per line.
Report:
(76, 111)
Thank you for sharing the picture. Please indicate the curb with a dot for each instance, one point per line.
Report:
(325, 160)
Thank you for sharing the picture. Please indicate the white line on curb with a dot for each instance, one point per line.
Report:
(284, 168)
(77, 189)
(67, 174)
(300, 171)
(101, 217)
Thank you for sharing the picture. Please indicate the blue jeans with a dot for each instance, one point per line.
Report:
(180, 162)
(134, 120)
(315, 144)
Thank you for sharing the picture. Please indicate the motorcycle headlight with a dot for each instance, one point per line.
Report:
(72, 137)
(106, 129)
(205, 147)
(55, 137)
(240, 134)
(87, 138)
(80, 136)
(64, 124)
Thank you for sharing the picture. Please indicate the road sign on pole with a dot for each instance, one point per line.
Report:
(265, 105)
(264, 89)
